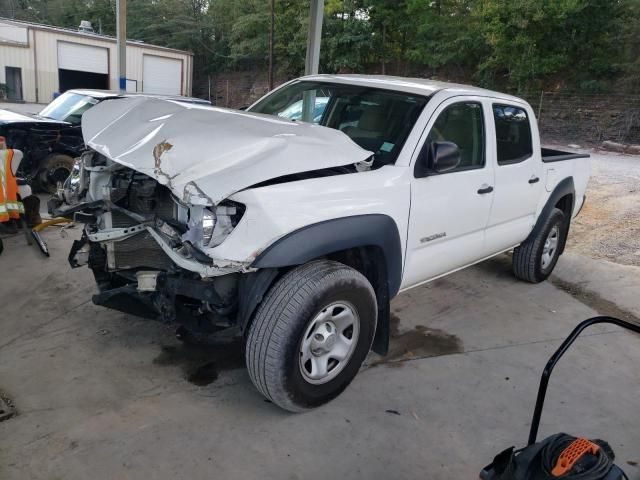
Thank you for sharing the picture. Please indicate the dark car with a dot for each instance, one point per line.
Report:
(51, 139)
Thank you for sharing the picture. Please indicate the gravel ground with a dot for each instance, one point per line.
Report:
(608, 226)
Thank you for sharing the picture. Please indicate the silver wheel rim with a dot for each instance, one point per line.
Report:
(329, 342)
(550, 246)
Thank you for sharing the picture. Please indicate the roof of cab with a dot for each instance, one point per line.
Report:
(418, 86)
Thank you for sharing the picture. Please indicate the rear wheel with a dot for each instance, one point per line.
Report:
(311, 334)
(55, 168)
(535, 259)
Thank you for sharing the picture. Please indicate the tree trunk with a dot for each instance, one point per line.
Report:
(384, 31)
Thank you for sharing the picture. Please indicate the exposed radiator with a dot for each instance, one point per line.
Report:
(141, 250)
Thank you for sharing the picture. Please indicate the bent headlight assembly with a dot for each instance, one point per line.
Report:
(219, 223)
(208, 225)
(72, 186)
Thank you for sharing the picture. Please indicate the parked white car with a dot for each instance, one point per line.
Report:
(296, 235)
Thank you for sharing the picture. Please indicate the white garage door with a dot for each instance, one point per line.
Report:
(83, 58)
(161, 75)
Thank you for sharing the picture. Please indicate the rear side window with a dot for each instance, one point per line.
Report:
(513, 134)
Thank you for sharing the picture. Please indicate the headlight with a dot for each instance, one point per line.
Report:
(208, 225)
(218, 224)
(70, 192)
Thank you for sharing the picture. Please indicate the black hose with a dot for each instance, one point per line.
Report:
(596, 470)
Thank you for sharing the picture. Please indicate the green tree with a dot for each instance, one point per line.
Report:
(629, 45)
(560, 41)
(394, 30)
(292, 26)
(447, 34)
(589, 45)
(347, 42)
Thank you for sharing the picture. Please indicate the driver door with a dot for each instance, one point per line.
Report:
(450, 211)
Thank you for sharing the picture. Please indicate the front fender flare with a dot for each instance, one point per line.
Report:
(330, 236)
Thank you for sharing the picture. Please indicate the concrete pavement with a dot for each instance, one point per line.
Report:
(105, 395)
(600, 283)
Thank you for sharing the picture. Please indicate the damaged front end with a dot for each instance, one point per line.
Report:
(146, 247)
(153, 192)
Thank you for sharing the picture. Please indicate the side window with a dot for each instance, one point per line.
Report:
(513, 134)
(462, 124)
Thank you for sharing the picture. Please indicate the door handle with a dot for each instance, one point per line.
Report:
(487, 189)
(534, 179)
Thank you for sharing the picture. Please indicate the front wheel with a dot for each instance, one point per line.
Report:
(536, 257)
(311, 334)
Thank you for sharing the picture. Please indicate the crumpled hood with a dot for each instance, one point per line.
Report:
(204, 154)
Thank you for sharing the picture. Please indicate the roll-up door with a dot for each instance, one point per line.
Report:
(83, 58)
(161, 75)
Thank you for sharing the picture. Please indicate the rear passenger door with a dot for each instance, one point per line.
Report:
(518, 173)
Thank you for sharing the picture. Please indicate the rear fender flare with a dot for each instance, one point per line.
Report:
(565, 187)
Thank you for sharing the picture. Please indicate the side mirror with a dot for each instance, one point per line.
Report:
(437, 157)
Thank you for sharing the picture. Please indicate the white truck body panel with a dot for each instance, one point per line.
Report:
(437, 200)
(276, 210)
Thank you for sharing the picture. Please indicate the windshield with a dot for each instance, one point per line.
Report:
(68, 107)
(294, 111)
(378, 120)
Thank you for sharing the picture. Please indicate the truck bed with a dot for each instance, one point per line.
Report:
(551, 155)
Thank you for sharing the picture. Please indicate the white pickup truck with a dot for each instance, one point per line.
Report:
(297, 234)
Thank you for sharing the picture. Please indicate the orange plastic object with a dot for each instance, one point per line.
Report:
(573, 453)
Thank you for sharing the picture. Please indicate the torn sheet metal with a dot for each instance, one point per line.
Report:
(218, 267)
(204, 154)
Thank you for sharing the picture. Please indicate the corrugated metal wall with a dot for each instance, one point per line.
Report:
(21, 57)
(47, 58)
(45, 44)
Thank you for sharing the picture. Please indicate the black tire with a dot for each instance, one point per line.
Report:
(55, 168)
(275, 336)
(527, 258)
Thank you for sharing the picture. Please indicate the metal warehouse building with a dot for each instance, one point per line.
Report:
(38, 61)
